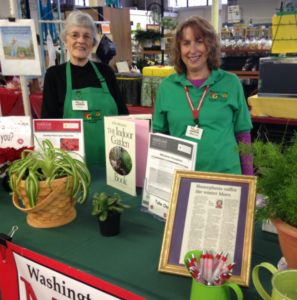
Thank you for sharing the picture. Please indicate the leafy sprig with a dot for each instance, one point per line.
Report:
(277, 170)
(47, 165)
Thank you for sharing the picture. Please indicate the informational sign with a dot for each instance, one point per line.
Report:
(65, 134)
(19, 53)
(15, 132)
(26, 275)
(233, 13)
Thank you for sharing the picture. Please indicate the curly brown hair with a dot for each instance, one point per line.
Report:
(202, 29)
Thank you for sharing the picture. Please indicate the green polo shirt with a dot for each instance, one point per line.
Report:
(223, 114)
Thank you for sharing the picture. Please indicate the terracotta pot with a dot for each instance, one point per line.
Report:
(287, 236)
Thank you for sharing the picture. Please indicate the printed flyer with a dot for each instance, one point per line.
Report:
(120, 142)
(15, 132)
(65, 134)
(19, 53)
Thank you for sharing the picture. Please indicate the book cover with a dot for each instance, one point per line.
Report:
(120, 142)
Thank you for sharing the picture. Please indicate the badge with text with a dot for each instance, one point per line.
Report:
(194, 132)
(79, 105)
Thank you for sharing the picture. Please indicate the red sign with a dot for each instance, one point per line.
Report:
(26, 275)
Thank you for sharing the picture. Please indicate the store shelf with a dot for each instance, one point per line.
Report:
(154, 52)
(246, 74)
(245, 50)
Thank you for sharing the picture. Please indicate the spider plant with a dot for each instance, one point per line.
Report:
(48, 164)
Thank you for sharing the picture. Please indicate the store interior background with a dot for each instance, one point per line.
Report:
(251, 11)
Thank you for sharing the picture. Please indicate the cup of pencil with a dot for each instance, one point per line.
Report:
(210, 276)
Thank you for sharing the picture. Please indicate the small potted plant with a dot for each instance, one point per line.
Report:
(109, 210)
(169, 24)
(48, 183)
(277, 182)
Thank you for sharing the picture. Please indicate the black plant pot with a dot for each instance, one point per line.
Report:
(5, 183)
(111, 226)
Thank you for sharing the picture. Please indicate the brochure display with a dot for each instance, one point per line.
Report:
(210, 211)
(166, 154)
(65, 134)
(125, 167)
(15, 132)
(19, 53)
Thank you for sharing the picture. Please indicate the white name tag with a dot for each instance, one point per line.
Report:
(194, 132)
(79, 105)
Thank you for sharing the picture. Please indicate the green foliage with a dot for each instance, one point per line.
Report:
(142, 36)
(104, 204)
(141, 63)
(47, 165)
(169, 23)
(155, 16)
(126, 161)
(277, 170)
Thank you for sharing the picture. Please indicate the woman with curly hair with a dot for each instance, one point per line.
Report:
(203, 103)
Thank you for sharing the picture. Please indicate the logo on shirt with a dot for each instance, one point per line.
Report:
(92, 116)
(218, 96)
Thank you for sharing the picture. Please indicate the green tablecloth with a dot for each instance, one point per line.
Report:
(129, 260)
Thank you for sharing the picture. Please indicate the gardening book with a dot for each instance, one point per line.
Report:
(65, 134)
(126, 148)
(165, 155)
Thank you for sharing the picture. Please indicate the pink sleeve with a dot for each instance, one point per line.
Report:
(246, 165)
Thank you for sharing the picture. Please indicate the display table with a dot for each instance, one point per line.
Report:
(152, 78)
(129, 260)
(273, 107)
(11, 101)
(130, 86)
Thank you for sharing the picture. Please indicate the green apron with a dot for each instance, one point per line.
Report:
(100, 104)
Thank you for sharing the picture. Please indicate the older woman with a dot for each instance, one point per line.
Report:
(203, 103)
(82, 89)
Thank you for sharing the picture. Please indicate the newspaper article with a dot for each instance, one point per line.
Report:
(211, 219)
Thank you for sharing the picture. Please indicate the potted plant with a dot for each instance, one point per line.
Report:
(277, 170)
(109, 210)
(143, 37)
(169, 24)
(48, 183)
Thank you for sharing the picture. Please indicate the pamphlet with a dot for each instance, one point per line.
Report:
(15, 132)
(211, 219)
(65, 134)
(166, 154)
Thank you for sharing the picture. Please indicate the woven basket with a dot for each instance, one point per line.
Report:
(53, 207)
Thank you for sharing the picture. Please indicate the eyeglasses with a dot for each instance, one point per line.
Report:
(76, 36)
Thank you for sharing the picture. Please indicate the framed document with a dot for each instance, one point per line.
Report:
(210, 211)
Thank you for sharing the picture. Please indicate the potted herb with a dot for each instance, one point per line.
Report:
(143, 37)
(48, 183)
(109, 210)
(169, 24)
(277, 170)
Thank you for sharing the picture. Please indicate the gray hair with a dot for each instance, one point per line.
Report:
(80, 19)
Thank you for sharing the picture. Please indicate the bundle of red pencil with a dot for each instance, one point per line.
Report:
(210, 270)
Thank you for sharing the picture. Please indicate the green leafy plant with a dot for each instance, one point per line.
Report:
(49, 164)
(169, 23)
(277, 181)
(142, 36)
(155, 16)
(105, 204)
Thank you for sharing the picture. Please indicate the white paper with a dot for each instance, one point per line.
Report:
(163, 43)
(15, 132)
(211, 219)
(19, 53)
(166, 154)
(65, 134)
(123, 67)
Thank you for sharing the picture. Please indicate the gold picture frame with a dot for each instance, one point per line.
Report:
(172, 250)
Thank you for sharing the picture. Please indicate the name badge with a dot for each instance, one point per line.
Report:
(79, 105)
(194, 132)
